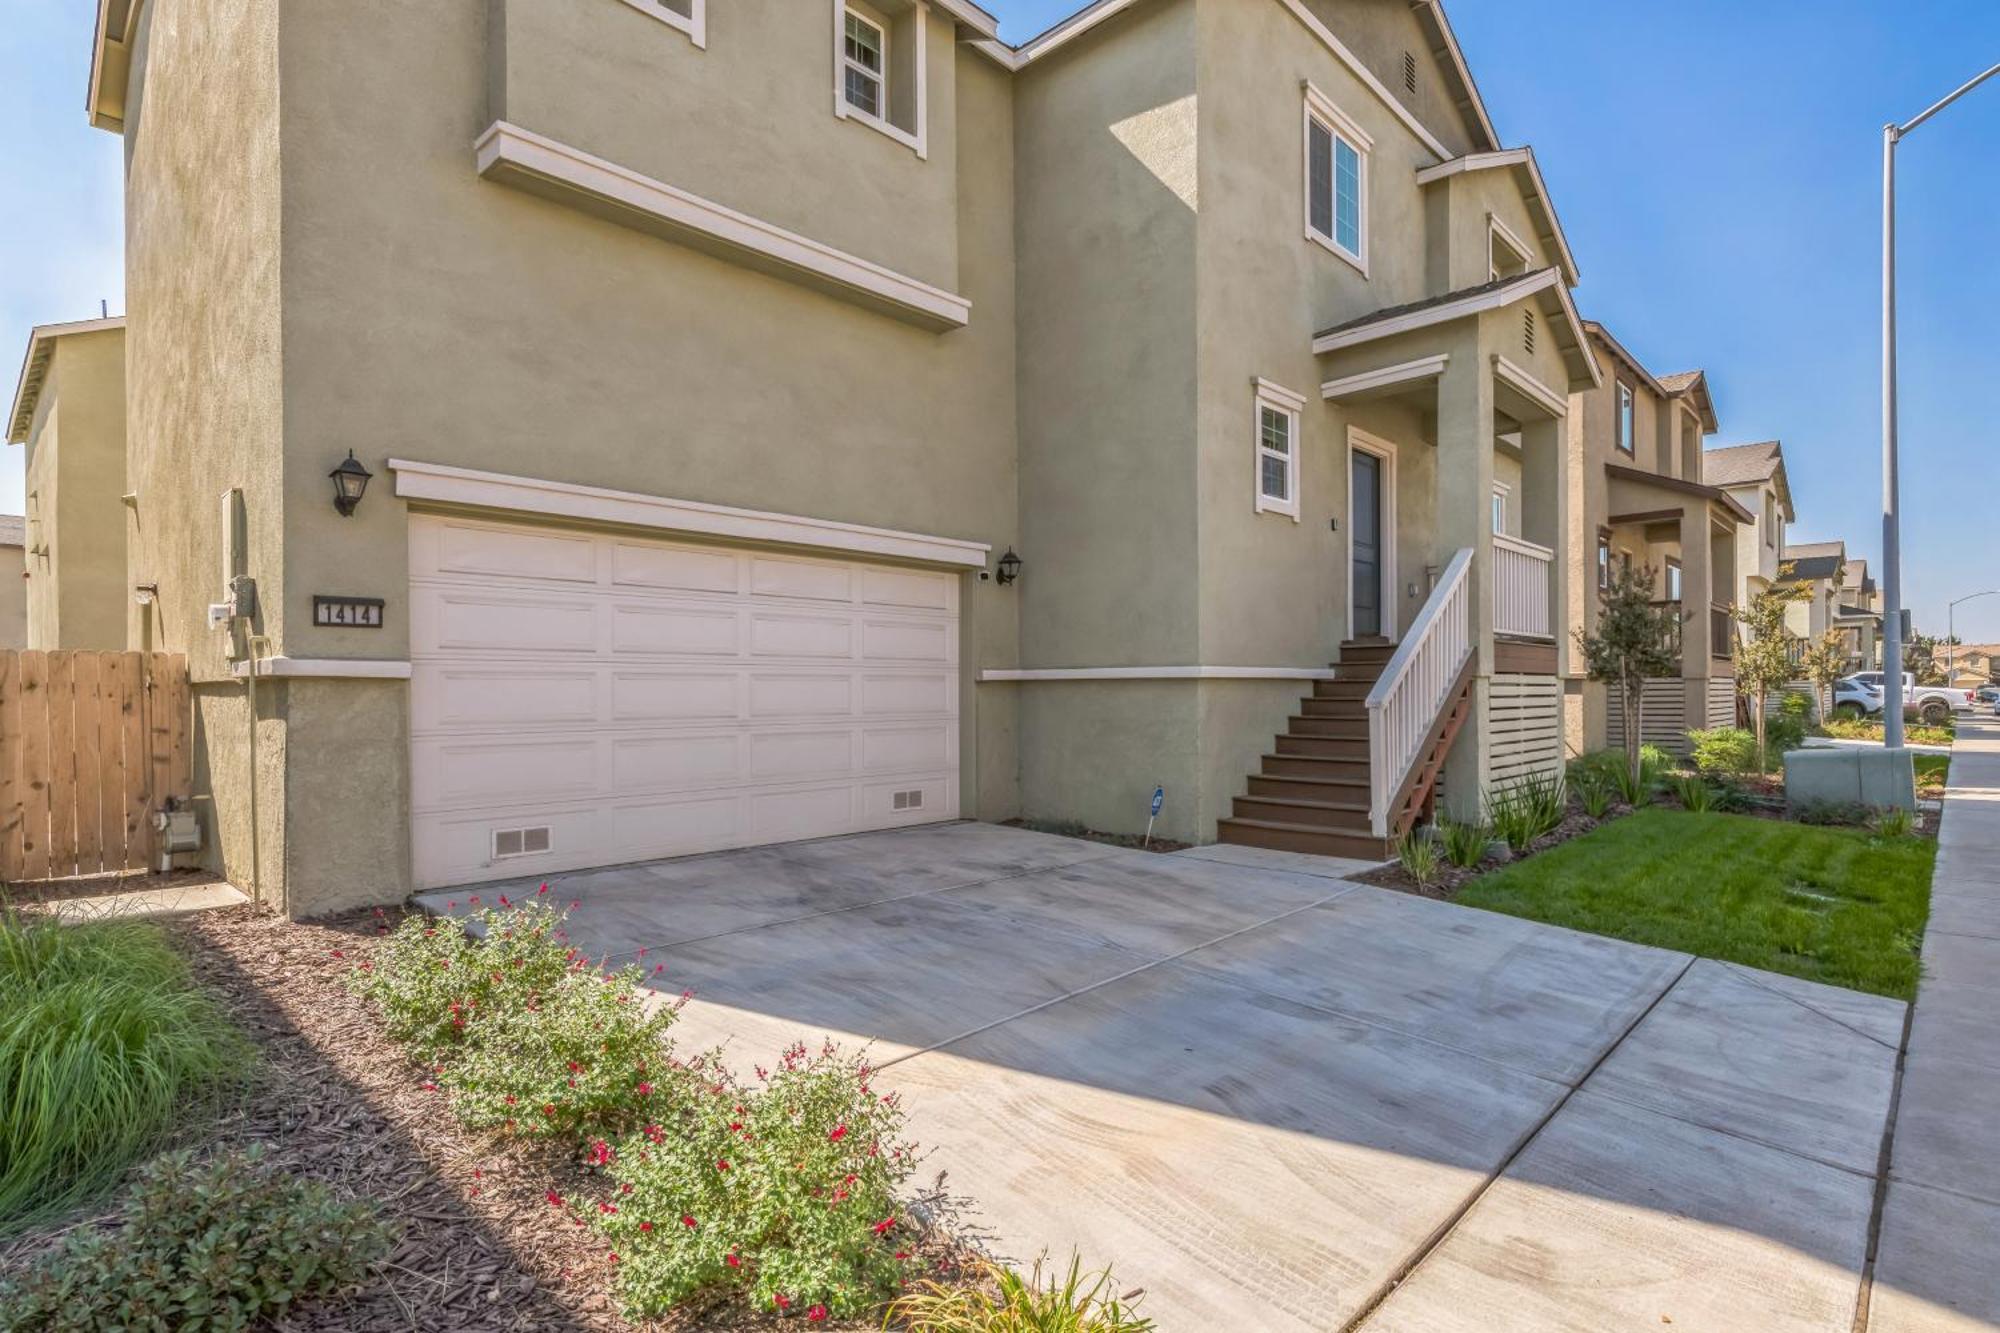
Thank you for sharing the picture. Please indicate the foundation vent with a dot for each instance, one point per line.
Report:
(1410, 73)
(907, 800)
(520, 841)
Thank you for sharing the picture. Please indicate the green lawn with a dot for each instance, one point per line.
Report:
(1932, 769)
(1833, 905)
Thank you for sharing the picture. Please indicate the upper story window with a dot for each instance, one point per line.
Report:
(1604, 562)
(1673, 579)
(1336, 182)
(1500, 493)
(1771, 519)
(1277, 435)
(1507, 255)
(878, 68)
(1627, 426)
(690, 16)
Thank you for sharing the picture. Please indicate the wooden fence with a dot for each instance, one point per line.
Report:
(91, 744)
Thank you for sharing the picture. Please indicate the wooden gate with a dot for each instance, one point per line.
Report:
(91, 744)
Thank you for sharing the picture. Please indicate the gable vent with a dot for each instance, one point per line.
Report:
(907, 800)
(1528, 331)
(520, 841)
(1410, 72)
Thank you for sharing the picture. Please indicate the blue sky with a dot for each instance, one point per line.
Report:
(1716, 165)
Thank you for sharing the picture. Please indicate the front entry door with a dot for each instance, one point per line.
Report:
(1365, 540)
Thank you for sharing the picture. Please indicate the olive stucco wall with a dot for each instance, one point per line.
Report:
(203, 392)
(13, 593)
(74, 475)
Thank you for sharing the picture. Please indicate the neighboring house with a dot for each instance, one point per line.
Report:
(69, 412)
(1753, 475)
(1638, 501)
(1820, 568)
(13, 581)
(708, 358)
(1858, 616)
(1971, 664)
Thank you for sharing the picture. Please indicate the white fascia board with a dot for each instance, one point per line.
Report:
(1576, 331)
(437, 483)
(1524, 286)
(521, 158)
(1524, 381)
(325, 668)
(1408, 372)
(971, 15)
(1155, 673)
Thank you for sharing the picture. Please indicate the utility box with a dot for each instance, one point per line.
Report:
(1871, 776)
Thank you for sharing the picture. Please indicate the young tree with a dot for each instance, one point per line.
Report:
(1824, 663)
(1762, 662)
(1920, 659)
(1636, 639)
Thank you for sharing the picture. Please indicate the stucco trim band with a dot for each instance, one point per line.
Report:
(510, 155)
(1158, 673)
(439, 484)
(325, 668)
(1424, 368)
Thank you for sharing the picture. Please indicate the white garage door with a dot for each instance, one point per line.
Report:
(581, 699)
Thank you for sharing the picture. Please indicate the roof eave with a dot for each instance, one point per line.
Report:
(1446, 50)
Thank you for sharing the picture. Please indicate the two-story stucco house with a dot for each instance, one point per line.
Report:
(1816, 572)
(1754, 476)
(69, 415)
(1640, 501)
(1858, 615)
(790, 417)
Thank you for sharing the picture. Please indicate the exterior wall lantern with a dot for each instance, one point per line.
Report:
(350, 481)
(1010, 568)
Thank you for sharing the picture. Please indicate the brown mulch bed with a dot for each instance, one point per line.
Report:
(333, 1099)
(1137, 842)
(1451, 879)
(32, 893)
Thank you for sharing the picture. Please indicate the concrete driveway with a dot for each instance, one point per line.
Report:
(1280, 1100)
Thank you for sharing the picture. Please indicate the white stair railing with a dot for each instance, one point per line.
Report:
(1521, 587)
(1415, 685)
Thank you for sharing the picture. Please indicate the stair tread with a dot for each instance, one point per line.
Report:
(1330, 780)
(1295, 802)
(1321, 758)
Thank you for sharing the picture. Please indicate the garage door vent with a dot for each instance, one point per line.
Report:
(520, 841)
(907, 800)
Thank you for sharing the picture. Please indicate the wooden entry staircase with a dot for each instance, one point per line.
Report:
(1343, 780)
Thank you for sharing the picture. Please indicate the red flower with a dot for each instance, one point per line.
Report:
(549, 1109)
(722, 1166)
(504, 902)
(607, 1208)
(613, 1256)
(555, 1199)
(539, 892)
(884, 1225)
(600, 1153)
(839, 1133)
(732, 1260)
(645, 1089)
(689, 1222)
(782, 1301)
(645, 1226)
(474, 900)
(816, 1315)
(902, 1254)
(338, 954)
(575, 1068)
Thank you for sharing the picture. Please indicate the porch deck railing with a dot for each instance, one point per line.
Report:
(1521, 587)
(1415, 685)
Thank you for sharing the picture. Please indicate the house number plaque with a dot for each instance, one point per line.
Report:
(348, 612)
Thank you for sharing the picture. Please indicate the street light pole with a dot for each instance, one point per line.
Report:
(1951, 629)
(1892, 547)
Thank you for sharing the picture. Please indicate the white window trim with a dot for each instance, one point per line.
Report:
(1496, 230)
(1502, 492)
(1628, 446)
(1319, 107)
(694, 23)
(918, 143)
(1282, 400)
(1361, 441)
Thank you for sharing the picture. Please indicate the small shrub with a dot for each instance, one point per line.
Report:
(1785, 732)
(1692, 791)
(1420, 856)
(1464, 843)
(1725, 750)
(1794, 704)
(1006, 1302)
(220, 1245)
(1636, 792)
(784, 1194)
(1893, 822)
(1845, 814)
(106, 1045)
(1527, 809)
(1594, 792)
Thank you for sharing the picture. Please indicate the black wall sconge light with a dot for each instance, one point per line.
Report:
(1009, 568)
(350, 481)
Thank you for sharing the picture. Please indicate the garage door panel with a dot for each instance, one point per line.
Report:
(459, 771)
(783, 696)
(646, 696)
(675, 568)
(667, 763)
(775, 635)
(526, 553)
(696, 631)
(812, 580)
(643, 698)
(450, 696)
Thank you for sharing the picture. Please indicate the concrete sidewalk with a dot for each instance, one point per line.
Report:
(1938, 1265)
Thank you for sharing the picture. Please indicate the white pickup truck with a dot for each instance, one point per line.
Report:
(1861, 695)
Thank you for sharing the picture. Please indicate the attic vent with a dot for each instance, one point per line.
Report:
(907, 800)
(1528, 331)
(1410, 72)
(520, 841)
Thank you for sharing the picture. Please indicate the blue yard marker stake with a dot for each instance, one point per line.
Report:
(1159, 799)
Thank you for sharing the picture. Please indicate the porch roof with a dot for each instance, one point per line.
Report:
(1544, 286)
(1651, 497)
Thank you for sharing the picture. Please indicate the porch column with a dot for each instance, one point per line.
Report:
(1465, 519)
(1697, 595)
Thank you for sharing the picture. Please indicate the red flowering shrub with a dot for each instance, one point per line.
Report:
(784, 1194)
(433, 976)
